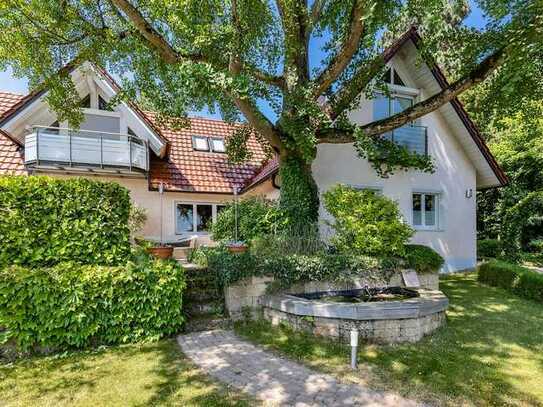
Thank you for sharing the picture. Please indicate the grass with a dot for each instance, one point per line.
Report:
(132, 375)
(490, 352)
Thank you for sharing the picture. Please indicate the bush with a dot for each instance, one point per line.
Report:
(422, 259)
(74, 306)
(289, 269)
(45, 221)
(256, 217)
(519, 280)
(366, 223)
(489, 249)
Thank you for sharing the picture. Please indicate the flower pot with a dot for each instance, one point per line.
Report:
(237, 249)
(161, 252)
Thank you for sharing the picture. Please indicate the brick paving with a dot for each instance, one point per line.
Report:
(272, 379)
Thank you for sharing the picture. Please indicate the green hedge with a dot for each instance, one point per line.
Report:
(422, 259)
(519, 280)
(489, 249)
(74, 306)
(45, 221)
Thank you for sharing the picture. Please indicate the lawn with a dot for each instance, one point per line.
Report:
(490, 352)
(131, 375)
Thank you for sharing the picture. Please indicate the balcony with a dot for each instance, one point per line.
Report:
(414, 138)
(85, 150)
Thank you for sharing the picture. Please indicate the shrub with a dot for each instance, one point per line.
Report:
(74, 306)
(489, 248)
(290, 240)
(44, 221)
(256, 217)
(519, 280)
(289, 269)
(423, 259)
(366, 223)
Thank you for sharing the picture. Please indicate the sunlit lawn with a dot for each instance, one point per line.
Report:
(490, 353)
(134, 375)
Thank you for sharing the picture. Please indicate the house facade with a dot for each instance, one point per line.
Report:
(183, 179)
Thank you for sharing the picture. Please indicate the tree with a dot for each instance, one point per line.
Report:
(517, 143)
(236, 55)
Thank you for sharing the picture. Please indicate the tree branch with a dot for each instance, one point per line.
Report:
(152, 36)
(344, 97)
(315, 14)
(349, 47)
(476, 76)
(255, 118)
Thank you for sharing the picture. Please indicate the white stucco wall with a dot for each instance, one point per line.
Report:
(455, 239)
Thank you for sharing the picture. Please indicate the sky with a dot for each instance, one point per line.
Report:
(9, 83)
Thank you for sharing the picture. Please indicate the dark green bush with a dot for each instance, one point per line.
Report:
(366, 223)
(289, 269)
(423, 259)
(489, 249)
(519, 280)
(256, 217)
(45, 221)
(75, 306)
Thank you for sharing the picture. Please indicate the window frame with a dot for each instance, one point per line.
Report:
(195, 148)
(212, 147)
(195, 216)
(437, 205)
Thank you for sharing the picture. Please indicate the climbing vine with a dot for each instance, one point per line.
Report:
(387, 157)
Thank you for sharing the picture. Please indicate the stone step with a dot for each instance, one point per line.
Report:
(206, 324)
(205, 308)
(181, 253)
(202, 295)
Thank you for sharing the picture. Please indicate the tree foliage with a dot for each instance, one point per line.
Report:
(239, 55)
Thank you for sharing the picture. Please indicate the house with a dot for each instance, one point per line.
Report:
(190, 166)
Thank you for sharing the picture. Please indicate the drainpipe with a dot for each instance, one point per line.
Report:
(235, 213)
(161, 192)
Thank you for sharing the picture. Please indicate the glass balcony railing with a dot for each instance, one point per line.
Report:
(76, 148)
(414, 138)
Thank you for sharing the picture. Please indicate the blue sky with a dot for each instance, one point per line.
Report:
(11, 84)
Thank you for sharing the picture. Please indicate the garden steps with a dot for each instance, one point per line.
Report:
(204, 303)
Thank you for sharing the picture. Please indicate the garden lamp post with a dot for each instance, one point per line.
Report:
(161, 192)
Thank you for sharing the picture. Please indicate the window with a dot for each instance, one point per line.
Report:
(391, 76)
(200, 143)
(85, 102)
(217, 145)
(195, 217)
(425, 213)
(184, 218)
(102, 104)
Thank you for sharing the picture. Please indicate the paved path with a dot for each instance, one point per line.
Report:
(272, 379)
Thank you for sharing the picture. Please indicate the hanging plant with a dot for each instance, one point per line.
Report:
(387, 157)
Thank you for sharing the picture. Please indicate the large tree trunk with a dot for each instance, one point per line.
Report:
(299, 192)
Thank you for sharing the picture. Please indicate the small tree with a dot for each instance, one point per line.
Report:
(136, 220)
(366, 223)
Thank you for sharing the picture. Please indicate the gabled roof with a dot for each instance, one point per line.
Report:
(266, 171)
(413, 35)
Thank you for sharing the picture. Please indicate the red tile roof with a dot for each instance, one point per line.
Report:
(196, 171)
(8, 102)
(267, 170)
(11, 156)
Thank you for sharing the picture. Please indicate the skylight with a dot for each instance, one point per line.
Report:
(217, 145)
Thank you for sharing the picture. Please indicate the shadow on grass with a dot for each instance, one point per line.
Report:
(490, 352)
(139, 374)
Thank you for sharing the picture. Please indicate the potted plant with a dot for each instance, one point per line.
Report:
(136, 221)
(236, 246)
(160, 250)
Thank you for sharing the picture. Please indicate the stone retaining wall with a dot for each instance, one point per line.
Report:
(378, 331)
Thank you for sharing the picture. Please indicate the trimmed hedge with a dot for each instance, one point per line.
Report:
(45, 221)
(74, 306)
(422, 259)
(489, 249)
(519, 280)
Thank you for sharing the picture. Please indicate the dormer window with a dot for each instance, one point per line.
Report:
(391, 76)
(200, 143)
(217, 145)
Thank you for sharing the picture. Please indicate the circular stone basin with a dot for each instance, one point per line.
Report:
(400, 320)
